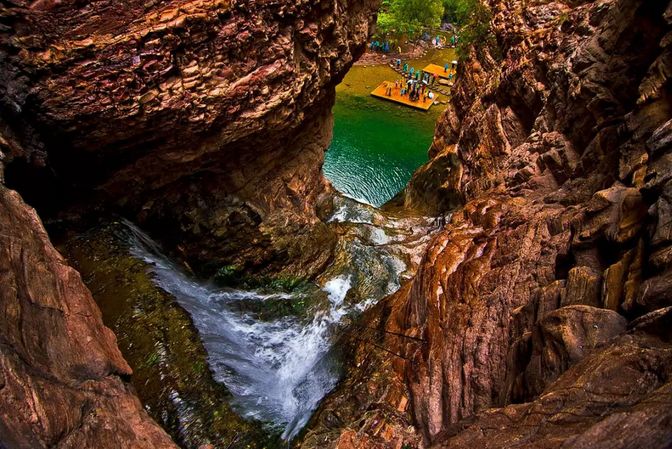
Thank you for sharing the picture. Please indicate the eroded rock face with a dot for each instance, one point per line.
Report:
(586, 407)
(562, 158)
(61, 373)
(205, 121)
(195, 117)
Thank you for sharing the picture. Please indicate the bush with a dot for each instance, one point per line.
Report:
(476, 31)
(228, 276)
(458, 11)
(233, 276)
(409, 16)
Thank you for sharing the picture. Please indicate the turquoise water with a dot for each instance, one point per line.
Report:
(377, 144)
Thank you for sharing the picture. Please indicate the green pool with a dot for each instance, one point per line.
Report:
(377, 144)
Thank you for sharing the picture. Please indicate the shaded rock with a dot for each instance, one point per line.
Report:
(656, 292)
(661, 239)
(564, 337)
(656, 322)
(583, 287)
(558, 173)
(194, 118)
(157, 337)
(616, 213)
(435, 189)
(62, 373)
(585, 407)
(622, 281)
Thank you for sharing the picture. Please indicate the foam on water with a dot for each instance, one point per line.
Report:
(378, 236)
(277, 371)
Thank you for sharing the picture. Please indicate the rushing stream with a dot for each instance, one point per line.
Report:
(278, 370)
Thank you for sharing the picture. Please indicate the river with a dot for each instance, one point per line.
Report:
(377, 144)
(278, 370)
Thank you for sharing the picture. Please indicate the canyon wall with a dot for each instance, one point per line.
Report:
(541, 315)
(62, 377)
(206, 121)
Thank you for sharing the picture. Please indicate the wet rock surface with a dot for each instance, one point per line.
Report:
(537, 316)
(158, 339)
(64, 381)
(513, 331)
(259, 331)
(204, 121)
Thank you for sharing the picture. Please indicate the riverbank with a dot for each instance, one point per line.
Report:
(412, 51)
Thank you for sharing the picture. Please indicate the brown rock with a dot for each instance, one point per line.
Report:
(585, 408)
(583, 287)
(189, 116)
(60, 366)
(564, 337)
(561, 139)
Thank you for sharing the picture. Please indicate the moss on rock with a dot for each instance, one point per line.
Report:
(159, 341)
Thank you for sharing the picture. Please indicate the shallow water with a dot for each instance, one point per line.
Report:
(377, 144)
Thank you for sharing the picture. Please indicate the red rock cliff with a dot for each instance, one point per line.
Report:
(61, 373)
(198, 118)
(206, 121)
(541, 314)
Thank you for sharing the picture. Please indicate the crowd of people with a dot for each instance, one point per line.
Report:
(417, 84)
(380, 46)
(411, 87)
(439, 42)
(426, 77)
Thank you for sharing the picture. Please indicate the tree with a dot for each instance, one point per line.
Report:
(476, 30)
(421, 13)
(409, 16)
(459, 11)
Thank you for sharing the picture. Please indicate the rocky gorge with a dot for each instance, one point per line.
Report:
(538, 315)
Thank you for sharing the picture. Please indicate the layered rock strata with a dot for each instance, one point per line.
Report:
(518, 328)
(200, 119)
(206, 121)
(157, 337)
(62, 377)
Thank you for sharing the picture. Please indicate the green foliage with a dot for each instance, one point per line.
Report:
(458, 11)
(233, 276)
(199, 367)
(228, 275)
(152, 359)
(287, 284)
(409, 16)
(476, 30)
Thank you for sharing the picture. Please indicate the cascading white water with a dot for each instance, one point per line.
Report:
(277, 371)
